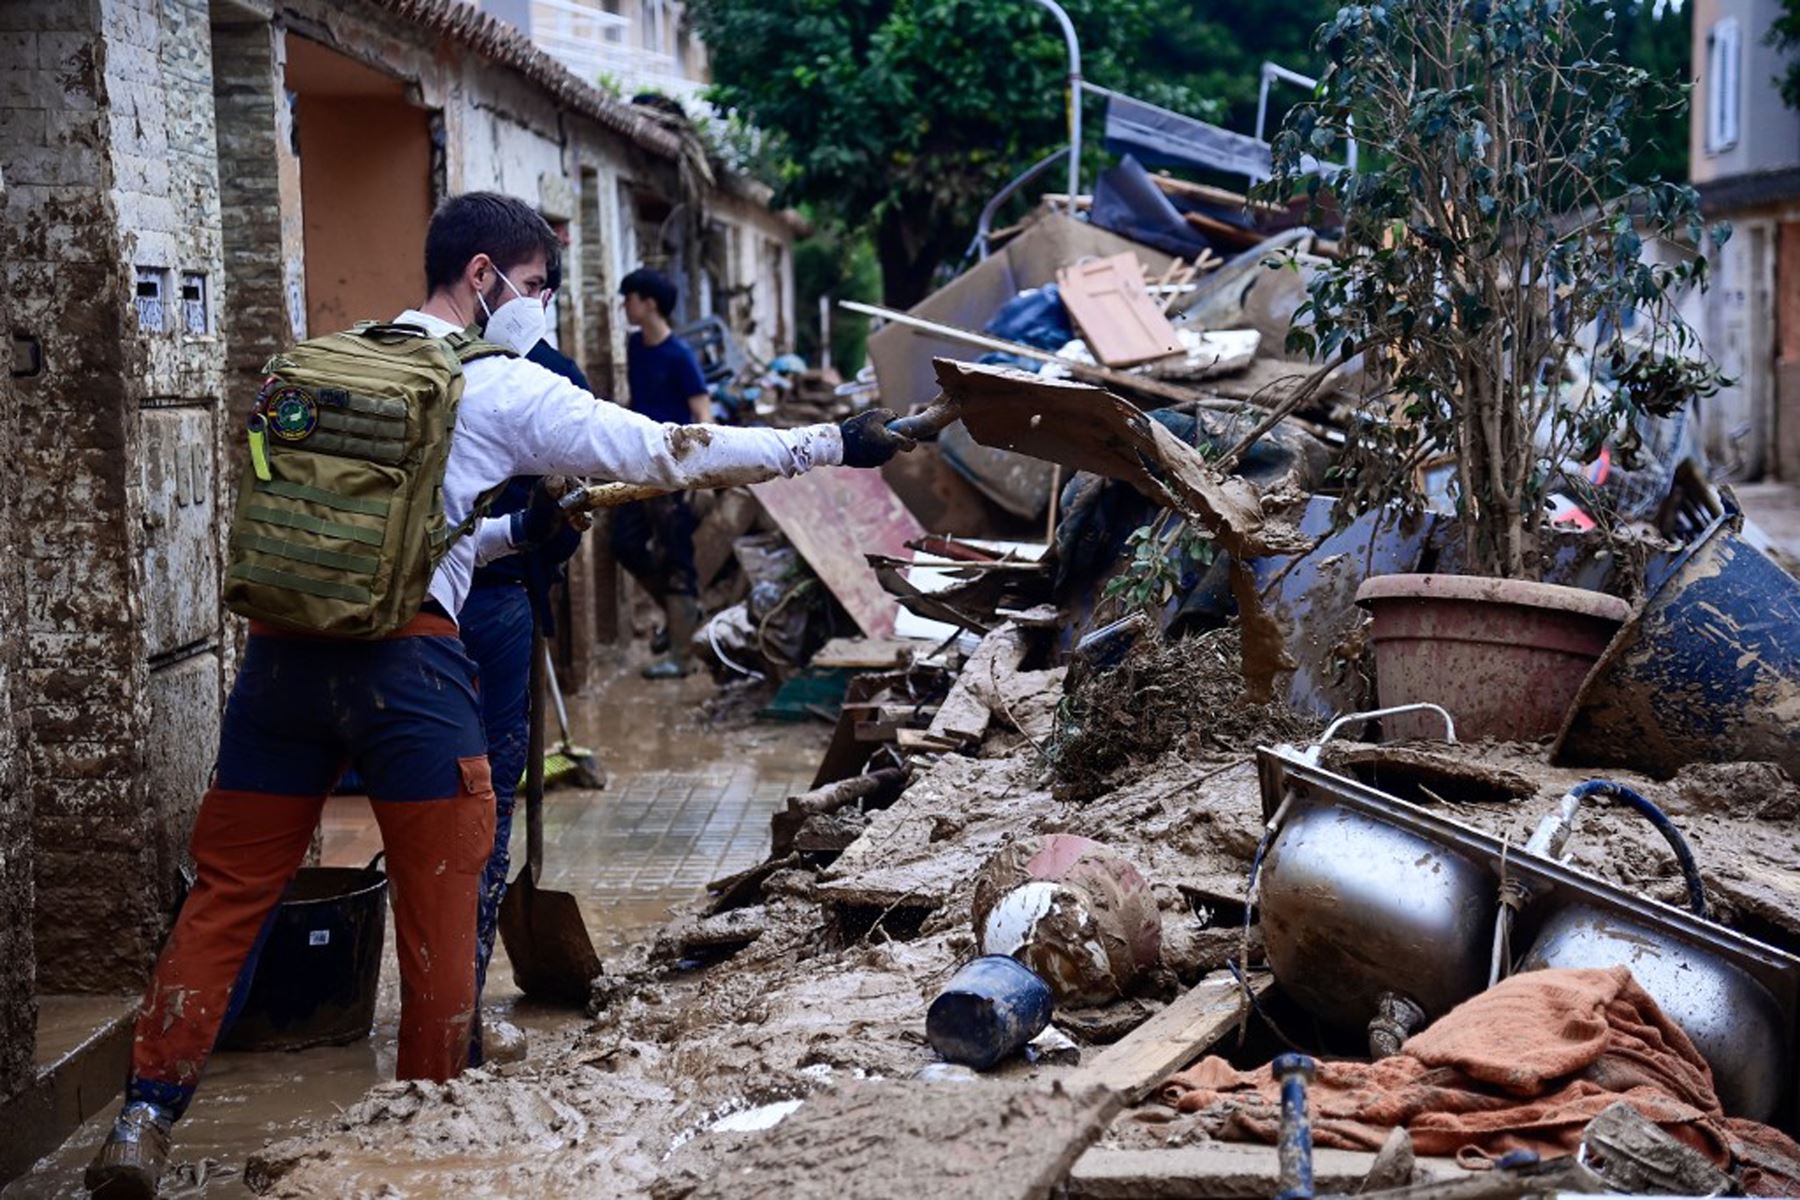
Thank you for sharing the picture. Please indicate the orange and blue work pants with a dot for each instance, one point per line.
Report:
(405, 712)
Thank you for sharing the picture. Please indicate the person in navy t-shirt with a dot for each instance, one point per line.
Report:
(654, 540)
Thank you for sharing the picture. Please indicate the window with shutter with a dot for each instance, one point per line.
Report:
(1724, 75)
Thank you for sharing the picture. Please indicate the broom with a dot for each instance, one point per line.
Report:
(568, 763)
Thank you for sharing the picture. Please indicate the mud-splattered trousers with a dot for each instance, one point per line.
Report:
(497, 631)
(405, 713)
(654, 541)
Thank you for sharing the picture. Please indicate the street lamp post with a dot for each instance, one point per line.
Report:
(1074, 98)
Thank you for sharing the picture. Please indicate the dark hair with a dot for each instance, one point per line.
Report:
(504, 228)
(653, 286)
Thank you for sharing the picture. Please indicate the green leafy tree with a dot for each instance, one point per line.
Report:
(901, 118)
(1784, 35)
(1652, 35)
(904, 116)
(1493, 221)
(1217, 51)
(840, 265)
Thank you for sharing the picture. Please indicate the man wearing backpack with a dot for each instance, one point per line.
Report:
(348, 552)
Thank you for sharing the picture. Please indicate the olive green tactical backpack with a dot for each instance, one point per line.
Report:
(340, 516)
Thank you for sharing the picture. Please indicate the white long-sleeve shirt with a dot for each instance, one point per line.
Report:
(516, 418)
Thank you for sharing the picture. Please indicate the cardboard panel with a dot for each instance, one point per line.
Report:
(834, 516)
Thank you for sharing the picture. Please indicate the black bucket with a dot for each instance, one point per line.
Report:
(314, 980)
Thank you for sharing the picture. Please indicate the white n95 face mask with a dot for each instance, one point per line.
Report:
(518, 324)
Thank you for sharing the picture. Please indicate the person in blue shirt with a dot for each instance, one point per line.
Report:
(654, 540)
(507, 598)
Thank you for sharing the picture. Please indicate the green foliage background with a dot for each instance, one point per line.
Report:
(896, 120)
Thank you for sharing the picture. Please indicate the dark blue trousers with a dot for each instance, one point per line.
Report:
(497, 633)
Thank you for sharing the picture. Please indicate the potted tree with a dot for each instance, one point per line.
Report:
(1494, 281)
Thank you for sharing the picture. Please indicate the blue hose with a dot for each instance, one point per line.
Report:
(1256, 862)
(1690, 870)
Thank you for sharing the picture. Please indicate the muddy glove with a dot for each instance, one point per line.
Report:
(868, 442)
(542, 516)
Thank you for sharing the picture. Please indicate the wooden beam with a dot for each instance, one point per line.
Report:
(1134, 1065)
(1222, 1171)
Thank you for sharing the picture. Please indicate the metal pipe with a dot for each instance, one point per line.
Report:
(1331, 729)
(984, 225)
(1295, 1147)
(1074, 96)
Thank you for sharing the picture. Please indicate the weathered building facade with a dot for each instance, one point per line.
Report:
(190, 186)
(1744, 157)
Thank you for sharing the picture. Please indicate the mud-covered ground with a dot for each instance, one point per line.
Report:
(835, 986)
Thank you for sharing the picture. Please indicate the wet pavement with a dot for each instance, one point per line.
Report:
(1775, 507)
(683, 806)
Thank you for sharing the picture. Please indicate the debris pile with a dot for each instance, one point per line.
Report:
(1184, 695)
(1104, 825)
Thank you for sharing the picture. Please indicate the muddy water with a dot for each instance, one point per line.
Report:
(683, 806)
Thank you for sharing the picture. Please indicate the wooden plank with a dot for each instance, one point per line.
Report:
(1223, 233)
(732, 514)
(843, 757)
(1109, 303)
(1087, 429)
(866, 654)
(1222, 1170)
(834, 516)
(963, 716)
(920, 741)
(1171, 1040)
(1216, 196)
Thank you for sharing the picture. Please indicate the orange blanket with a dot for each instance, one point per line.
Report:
(1523, 1066)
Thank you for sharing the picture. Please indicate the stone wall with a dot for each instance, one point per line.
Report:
(264, 307)
(69, 290)
(18, 957)
(166, 188)
(106, 144)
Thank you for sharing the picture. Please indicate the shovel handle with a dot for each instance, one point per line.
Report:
(609, 495)
(534, 763)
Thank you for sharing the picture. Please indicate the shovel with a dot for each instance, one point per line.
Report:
(553, 958)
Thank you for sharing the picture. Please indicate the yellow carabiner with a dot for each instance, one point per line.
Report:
(259, 446)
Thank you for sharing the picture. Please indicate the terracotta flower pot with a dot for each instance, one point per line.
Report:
(1504, 656)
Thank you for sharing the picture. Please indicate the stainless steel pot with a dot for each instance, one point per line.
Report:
(1733, 1020)
(1363, 893)
(1353, 906)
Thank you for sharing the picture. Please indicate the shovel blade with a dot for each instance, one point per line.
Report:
(553, 958)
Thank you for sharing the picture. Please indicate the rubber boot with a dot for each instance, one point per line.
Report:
(683, 613)
(130, 1161)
